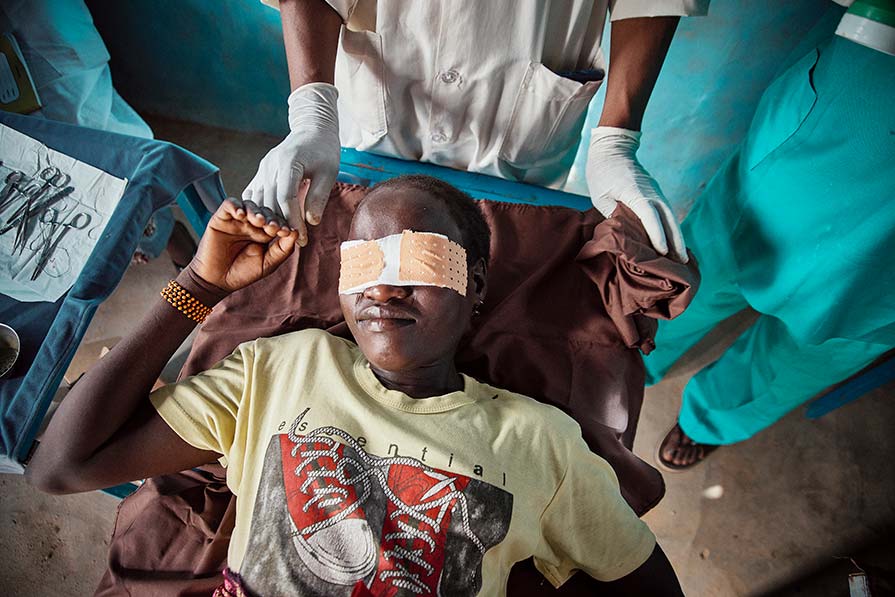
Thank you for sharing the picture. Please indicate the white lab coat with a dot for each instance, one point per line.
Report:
(475, 85)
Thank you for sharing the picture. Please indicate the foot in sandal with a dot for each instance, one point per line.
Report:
(678, 452)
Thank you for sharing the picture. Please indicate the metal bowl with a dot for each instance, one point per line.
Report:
(9, 348)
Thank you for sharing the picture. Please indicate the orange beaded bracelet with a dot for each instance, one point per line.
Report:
(185, 302)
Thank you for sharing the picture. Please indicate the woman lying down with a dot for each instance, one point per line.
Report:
(361, 469)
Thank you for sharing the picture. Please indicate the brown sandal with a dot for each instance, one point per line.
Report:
(676, 440)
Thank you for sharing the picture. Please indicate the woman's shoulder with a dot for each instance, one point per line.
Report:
(526, 410)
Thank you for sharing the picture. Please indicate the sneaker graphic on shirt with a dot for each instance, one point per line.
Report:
(415, 529)
(362, 524)
(330, 531)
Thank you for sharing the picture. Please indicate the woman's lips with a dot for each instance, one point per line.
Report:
(385, 324)
(383, 318)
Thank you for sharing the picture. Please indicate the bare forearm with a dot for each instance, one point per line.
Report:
(637, 51)
(106, 398)
(311, 36)
(106, 430)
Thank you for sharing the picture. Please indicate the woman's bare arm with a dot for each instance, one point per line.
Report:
(106, 431)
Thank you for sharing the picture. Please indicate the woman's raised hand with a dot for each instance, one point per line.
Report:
(242, 243)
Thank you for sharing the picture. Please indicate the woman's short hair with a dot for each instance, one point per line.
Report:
(463, 209)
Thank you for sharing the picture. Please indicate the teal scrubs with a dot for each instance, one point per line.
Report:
(798, 224)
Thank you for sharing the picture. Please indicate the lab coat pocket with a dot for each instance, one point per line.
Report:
(545, 124)
(782, 110)
(360, 78)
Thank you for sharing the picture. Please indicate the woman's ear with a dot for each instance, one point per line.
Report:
(479, 280)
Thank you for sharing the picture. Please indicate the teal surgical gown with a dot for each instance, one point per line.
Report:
(799, 224)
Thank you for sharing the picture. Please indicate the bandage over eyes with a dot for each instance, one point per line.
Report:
(406, 259)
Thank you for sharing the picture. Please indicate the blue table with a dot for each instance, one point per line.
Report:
(158, 173)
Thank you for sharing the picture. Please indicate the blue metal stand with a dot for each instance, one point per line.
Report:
(869, 380)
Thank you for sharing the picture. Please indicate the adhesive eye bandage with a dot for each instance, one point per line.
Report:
(406, 259)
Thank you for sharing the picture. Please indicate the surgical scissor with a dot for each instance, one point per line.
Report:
(21, 219)
(12, 180)
(79, 221)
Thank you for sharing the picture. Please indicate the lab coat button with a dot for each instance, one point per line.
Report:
(438, 138)
(450, 76)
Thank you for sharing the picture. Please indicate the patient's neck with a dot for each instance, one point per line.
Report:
(423, 382)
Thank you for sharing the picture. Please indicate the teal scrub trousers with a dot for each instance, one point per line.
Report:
(798, 224)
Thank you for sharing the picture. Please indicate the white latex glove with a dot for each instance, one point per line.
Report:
(614, 175)
(310, 150)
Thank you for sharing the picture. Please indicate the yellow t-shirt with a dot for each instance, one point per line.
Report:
(342, 481)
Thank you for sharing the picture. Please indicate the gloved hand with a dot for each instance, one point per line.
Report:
(310, 150)
(614, 174)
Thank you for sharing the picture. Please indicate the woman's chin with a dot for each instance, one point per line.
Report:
(385, 354)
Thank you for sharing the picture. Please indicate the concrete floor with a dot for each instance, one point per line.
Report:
(796, 498)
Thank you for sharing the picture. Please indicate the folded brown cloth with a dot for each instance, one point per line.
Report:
(637, 284)
(171, 537)
(550, 328)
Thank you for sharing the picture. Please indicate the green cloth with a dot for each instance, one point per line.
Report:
(798, 224)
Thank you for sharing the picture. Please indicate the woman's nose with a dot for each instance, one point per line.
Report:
(382, 293)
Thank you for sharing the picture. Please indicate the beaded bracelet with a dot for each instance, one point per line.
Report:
(185, 302)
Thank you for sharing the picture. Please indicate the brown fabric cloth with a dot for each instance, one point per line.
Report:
(171, 537)
(543, 331)
(637, 284)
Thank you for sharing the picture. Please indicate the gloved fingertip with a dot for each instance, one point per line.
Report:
(660, 246)
(657, 238)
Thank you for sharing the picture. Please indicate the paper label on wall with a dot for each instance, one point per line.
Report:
(53, 210)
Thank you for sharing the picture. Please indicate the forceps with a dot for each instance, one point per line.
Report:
(53, 178)
(12, 181)
(50, 202)
(79, 221)
(19, 182)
